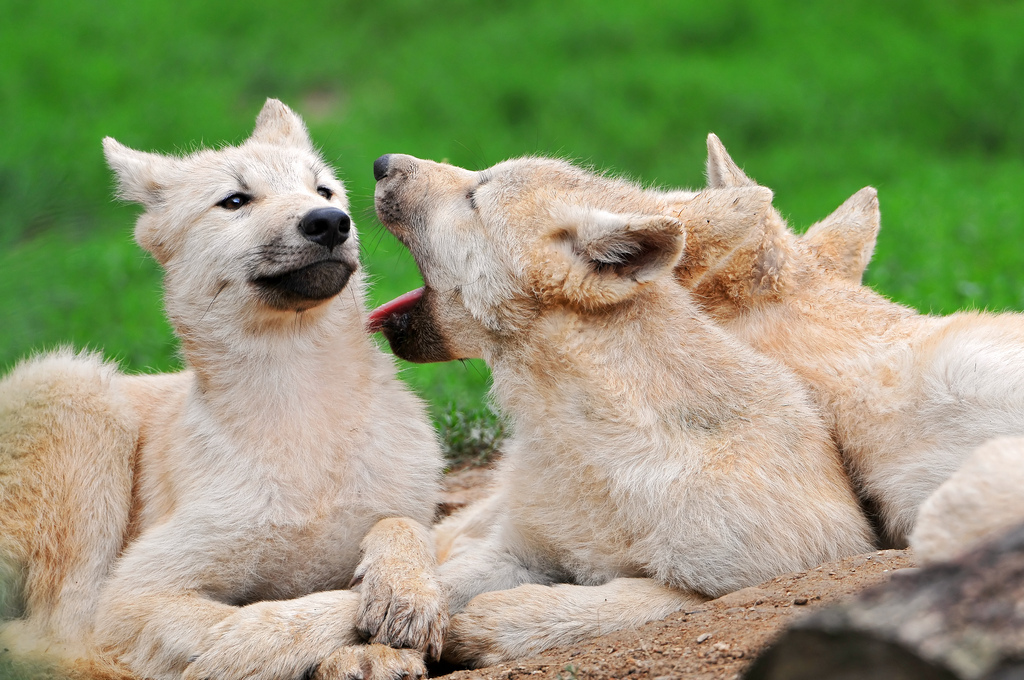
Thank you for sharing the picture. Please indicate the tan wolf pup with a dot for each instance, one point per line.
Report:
(656, 461)
(203, 524)
(907, 396)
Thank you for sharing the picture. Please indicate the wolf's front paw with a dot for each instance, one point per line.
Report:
(402, 605)
(372, 662)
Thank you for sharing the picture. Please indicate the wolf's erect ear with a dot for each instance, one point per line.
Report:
(141, 176)
(845, 240)
(277, 124)
(722, 171)
(611, 255)
(717, 221)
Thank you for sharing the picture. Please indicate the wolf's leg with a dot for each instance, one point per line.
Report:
(190, 637)
(67, 441)
(164, 613)
(467, 526)
(155, 634)
(509, 624)
(402, 603)
(979, 501)
(284, 639)
(486, 565)
(168, 592)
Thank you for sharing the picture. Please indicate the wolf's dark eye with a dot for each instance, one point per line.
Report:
(234, 201)
(325, 192)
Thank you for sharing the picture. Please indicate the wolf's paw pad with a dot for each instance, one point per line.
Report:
(372, 662)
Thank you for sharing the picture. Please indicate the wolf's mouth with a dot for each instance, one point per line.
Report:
(408, 324)
(389, 311)
(304, 287)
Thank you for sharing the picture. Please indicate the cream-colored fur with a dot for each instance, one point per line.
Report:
(656, 461)
(907, 396)
(206, 524)
(979, 501)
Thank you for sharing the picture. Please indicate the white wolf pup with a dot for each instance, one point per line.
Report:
(907, 396)
(656, 461)
(203, 524)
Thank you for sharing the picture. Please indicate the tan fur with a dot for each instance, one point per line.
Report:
(844, 241)
(907, 396)
(507, 624)
(206, 523)
(654, 457)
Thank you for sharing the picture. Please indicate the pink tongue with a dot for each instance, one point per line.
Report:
(399, 305)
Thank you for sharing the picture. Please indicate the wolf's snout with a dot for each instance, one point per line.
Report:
(380, 167)
(326, 226)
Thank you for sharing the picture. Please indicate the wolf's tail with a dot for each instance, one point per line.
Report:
(67, 444)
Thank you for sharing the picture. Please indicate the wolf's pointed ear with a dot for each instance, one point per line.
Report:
(608, 256)
(845, 240)
(277, 124)
(717, 221)
(141, 176)
(722, 171)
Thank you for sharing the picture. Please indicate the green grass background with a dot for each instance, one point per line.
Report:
(923, 99)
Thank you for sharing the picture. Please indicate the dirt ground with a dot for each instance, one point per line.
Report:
(716, 640)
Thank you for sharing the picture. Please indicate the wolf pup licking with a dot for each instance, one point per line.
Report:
(656, 460)
(208, 523)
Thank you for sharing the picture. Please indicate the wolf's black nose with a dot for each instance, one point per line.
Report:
(380, 167)
(326, 226)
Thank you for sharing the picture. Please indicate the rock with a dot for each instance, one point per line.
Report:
(959, 620)
(744, 598)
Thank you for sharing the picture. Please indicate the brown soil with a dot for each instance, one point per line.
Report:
(716, 640)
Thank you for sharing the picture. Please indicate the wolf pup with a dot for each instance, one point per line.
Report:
(204, 524)
(907, 396)
(656, 461)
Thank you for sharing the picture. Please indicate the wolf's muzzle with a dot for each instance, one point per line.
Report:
(305, 287)
(411, 331)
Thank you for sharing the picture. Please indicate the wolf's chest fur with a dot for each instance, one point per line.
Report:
(295, 484)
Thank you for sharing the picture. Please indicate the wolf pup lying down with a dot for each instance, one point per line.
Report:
(204, 523)
(908, 396)
(656, 461)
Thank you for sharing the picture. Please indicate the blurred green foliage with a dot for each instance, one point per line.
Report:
(923, 99)
(471, 436)
(19, 669)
